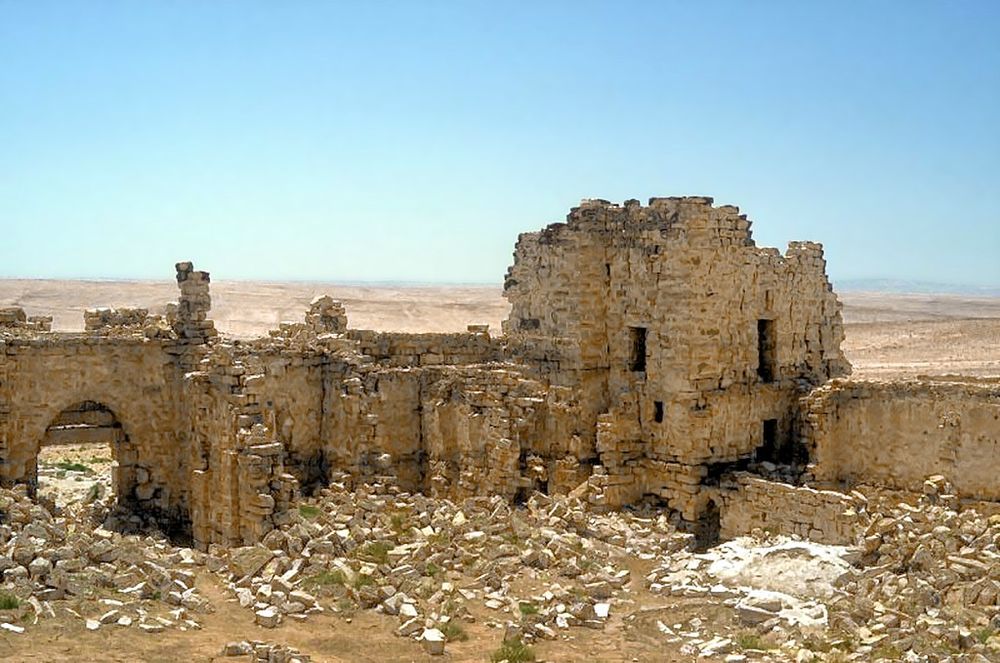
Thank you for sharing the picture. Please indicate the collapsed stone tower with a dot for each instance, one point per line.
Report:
(686, 343)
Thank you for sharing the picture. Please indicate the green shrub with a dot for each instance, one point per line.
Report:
(346, 607)
(454, 632)
(398, 522)
(73, 467)
(376, 551)
(513, 651)
(8, 601)
(751, 640)
(327, 578)
(308, 511)
(817, 644)
(363, 580)
(891, 652)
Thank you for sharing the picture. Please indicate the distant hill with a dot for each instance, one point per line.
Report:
(923, 287)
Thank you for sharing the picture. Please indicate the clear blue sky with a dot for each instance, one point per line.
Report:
(414, 140)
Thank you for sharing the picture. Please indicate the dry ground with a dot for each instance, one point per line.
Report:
(901, 335)
(364, 637)
(888, 335)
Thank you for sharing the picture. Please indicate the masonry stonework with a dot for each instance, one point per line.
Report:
(652, 353)
(902, 432)
(680, 336)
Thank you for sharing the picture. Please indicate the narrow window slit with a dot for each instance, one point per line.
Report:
(637, 355)
(766, 350)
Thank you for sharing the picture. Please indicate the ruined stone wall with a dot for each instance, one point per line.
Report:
(494, 431)
(213, 431)
(824, 516)
(558, 288)
(241, 482)
(202, 450)
(431, 349)
(392, 440)
(98, 319)
(289, 387)
(898, 433)
(14, 318)
(329, 407)
(446, 429)
(454, 431)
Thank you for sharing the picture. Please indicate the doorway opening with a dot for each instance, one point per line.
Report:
(771, 448)
(708, 529)
(80, 456)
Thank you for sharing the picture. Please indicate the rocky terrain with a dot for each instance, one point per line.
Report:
(518, 581)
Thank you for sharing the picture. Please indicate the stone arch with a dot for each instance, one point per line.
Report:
(129, 411)
(78, 423)
(136, 382)
(144, 486)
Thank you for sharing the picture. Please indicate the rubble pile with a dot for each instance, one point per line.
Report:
(922, 584)
(541, 568)
(929, 578)
(62, 564)
(265, 652)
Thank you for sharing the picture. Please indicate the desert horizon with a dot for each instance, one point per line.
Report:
(888, 334)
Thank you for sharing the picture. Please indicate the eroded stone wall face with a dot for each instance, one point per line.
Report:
(897, 434)
(824, 516)
(454, 431)
(429, 413)
(432, 349)
(660, 317)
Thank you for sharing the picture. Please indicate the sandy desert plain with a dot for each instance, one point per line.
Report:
(888, 335)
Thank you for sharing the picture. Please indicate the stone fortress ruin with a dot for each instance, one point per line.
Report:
(652, 353)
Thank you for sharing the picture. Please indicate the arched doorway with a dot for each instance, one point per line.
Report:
(84, 455)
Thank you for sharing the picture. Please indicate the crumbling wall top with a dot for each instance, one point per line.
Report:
(97, 319)
(692, 218)
(13, 318)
